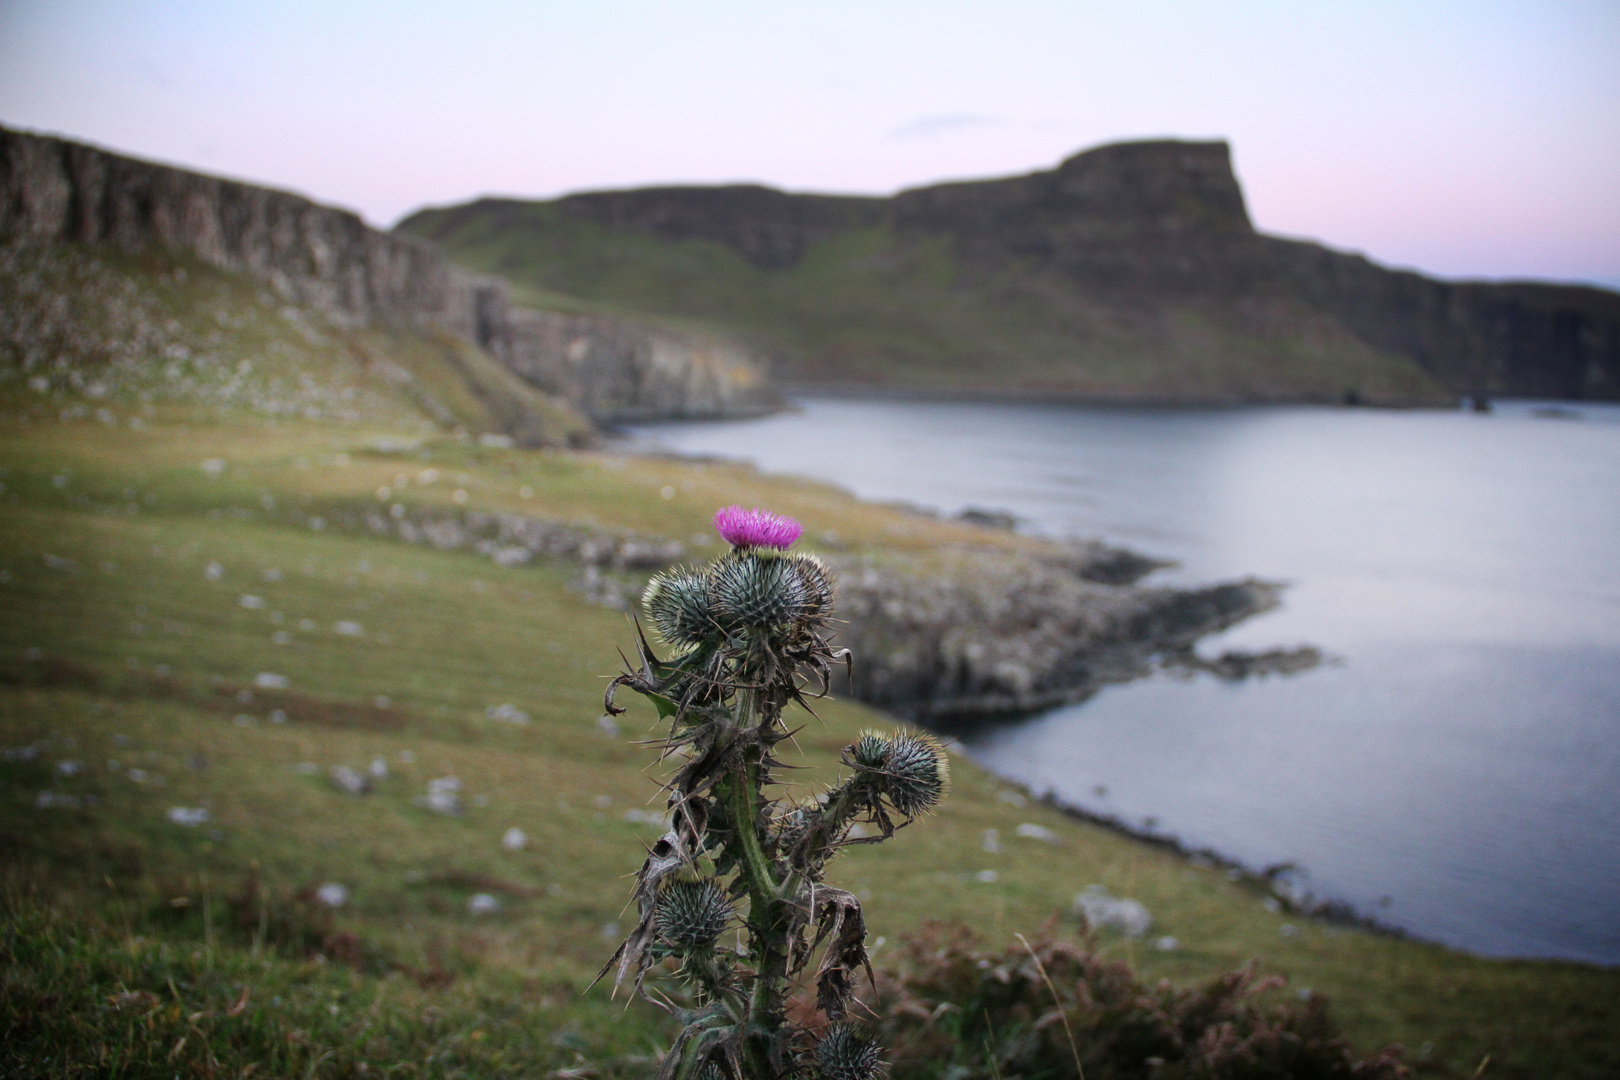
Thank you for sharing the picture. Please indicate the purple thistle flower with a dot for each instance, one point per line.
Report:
(756, 528)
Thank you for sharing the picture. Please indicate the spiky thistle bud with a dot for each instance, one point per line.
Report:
(691, 914)
(757, 591)
(869, 750)
(843, 1054)
(677, 602)
(817, 582)
(909, 768)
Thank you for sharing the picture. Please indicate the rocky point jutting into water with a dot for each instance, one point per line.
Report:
(971, 632)
(1130, 272)
(56, 194)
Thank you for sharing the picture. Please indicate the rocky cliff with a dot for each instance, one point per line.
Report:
(1129, 272)
(55, 193)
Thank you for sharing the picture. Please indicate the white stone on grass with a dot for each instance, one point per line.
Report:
(1167, 944)
(444, 795)
(188, 817)
(482, 904)
(348, 628)
(506, 714)
(332, 894)
(991, 841)
(1104, 912)
(646, 817)
(253, 603)
(379, 768)
(514, 839)
(1036, 832)
(512, 556)
(269, 680)
(349, 781)
(986, 877)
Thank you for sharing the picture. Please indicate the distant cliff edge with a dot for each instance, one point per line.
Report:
(54, 192)
(1130, 272)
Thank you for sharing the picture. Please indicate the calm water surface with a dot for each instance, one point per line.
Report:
(1456, 772)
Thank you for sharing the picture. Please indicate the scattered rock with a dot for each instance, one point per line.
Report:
(1237, 664)
(482, 904)
(647, 817)
(1036, 832)
(187, 817)
(443, 795)
(332, 894)
(507, 714)
(989, 519)
(1104, 912)
(349, 781)
(514, 839)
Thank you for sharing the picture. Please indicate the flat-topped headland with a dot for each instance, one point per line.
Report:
(1128, 273)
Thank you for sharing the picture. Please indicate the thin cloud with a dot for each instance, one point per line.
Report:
(934, 127)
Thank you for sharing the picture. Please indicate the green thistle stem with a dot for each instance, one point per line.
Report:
(767, 911)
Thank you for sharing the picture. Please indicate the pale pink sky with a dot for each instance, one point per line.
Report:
(1466, 139)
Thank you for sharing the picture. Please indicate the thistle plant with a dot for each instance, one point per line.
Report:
(742, 639)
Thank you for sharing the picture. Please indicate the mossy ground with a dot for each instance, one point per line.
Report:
(142, 598)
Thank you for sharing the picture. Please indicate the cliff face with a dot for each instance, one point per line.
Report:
(1129, 272)
(54, 192)
(618, 371)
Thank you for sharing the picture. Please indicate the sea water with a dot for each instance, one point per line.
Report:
(1454, 770)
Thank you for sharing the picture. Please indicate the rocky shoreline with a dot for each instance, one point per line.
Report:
(968, 634)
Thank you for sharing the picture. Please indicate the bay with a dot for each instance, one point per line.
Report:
(1454, 771)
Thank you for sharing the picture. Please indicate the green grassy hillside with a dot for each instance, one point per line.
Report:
(186, 623)
(867, 307)
(83, 329)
